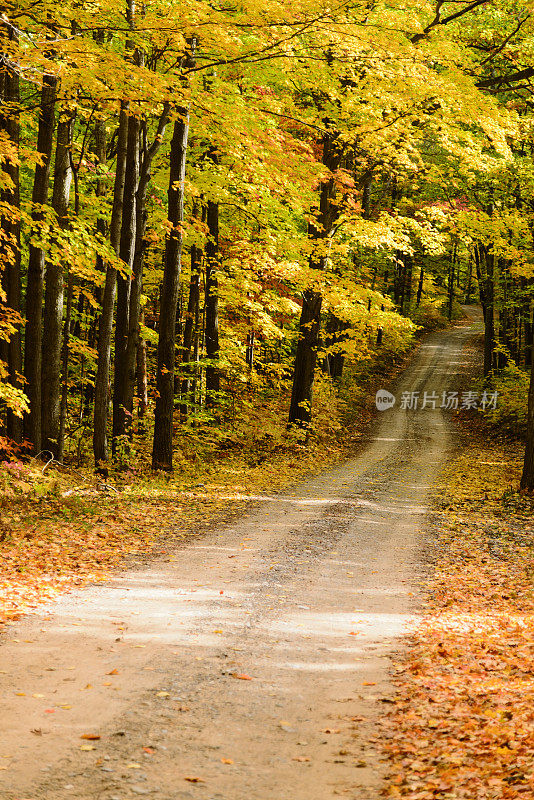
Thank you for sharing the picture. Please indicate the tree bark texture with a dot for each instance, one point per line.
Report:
(126, 253)
(11, 230)
(54, 294)
(213, 378)
(35, 280)
(310, 318)
(191, 323)
(100, 438)
(162, 445)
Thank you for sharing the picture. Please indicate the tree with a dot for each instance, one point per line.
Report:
(163, 417)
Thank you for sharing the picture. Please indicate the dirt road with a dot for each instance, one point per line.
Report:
(253, 660)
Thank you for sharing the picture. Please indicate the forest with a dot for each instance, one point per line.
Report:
(207, 209)
(229, 230)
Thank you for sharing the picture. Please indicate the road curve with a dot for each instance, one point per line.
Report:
(253, 663)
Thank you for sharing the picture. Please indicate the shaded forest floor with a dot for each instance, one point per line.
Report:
(463, 722)
(64, 527)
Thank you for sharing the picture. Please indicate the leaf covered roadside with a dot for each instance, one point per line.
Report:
(463, 721)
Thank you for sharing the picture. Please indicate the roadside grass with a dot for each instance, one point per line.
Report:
(463, 721)
(62, 527)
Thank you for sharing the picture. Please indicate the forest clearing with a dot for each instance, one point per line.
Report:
(266, 400)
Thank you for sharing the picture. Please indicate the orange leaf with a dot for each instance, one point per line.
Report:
(242, 677)
(91, 736)
(227, 760)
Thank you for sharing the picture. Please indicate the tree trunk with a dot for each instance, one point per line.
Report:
(529, 338)
(54, 292)
(213, 379)
(420, 287)
(35, 282)
(469, 282)
(126, 252)
(136, 285)
(100, 438)
(407, 287)
(162, 446)
(334, 335)
(142, 383)
(11, 227)
(310, 318)
(306, 358)
(450, 294)
(489, 318)
(191, 322)
(65, 369)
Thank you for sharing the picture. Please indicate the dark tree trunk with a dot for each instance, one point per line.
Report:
(100, 439)
(136, 285)
(126, 252)
(529, 338)
(11, 227)
(420, 286)
(407, 285)
(213, 378)
(54, 293)
(469, 282)
(398, 276)
(65, 369)
(191, 323)
(306, 358)
(142, 382)
(35, 282)
(335, 333)
(486, 292)
(481, 288)
(162, 446)
(249, 355)
(310, 318)
(366, 195)
(102, 230)
(489, 318)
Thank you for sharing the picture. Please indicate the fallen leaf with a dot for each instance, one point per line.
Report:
(227, 760)
(91, 736)
(113, 672)
(242, 677)
(194, 779)
(87, 747)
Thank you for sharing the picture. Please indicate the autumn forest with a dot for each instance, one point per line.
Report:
(224, 227)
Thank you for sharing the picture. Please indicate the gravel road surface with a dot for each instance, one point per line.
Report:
(252, 663)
